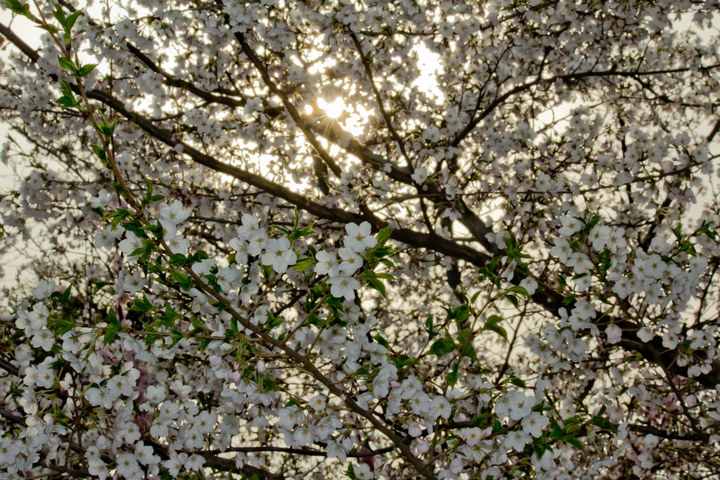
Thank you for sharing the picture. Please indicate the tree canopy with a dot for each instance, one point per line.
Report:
(275, 239)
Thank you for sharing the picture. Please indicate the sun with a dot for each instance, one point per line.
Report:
(333, 109)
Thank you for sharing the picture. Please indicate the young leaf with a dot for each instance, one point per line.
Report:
(66, 64)
(442, 347)
(493, 324)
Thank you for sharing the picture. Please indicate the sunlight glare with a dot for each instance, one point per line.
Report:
(431, 68)
(333, 109)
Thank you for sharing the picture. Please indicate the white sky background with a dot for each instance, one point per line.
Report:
(31, 35)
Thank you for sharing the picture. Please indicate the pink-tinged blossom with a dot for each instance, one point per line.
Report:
(363, 472)
(99, 397)
(472, 436)
(561, 250)
(570, 225)
(514, 404)
(654, 267)
(343, 286)
(302, 436)
(171, 216)
(43, 338)
(106, 238)
(250, 229)
(155, 394)
(359, 237)
(194, 463)
(317, 403)
(127, 465)
(227, 278)
(517, 440)
(178, 244)
(419, 175)
(336, 450)
(670, 340)
(101, 199)
(175, 462)
(145, 454)
(534, 423)
(645, 334)
(131, 243)
(279, 254)
(326, 264)
(43, 289)
(613, 333)
(530, 285)
(173, 213)
(96, 466)
(351, 261)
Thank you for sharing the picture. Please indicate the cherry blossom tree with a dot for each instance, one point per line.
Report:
(326, 239)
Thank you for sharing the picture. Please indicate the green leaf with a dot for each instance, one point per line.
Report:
(273, 321)
(430, 327)
(110, 333)
(66, 64)
(184, 281)
(482, 420)
(169, 317)
(442, 347)
(377, 285)
(150, 339)
(540, 447)
(99, 152)
(380, 252)
(178, 259)
(66, 88)
(299, 233)
(17, 7)
(493, 324)
(384, 276)
(141, 305)
(569, 299)
(464, 337)
(459, 314)
(106, 128)
(519, 289)
(60, 326)
(591, 223)
(452, 377)
(403, 361)
(282, 229)
(379, 338)
(383, 235)
(86, 69)
(510, 242)
(70, 21)
(199, 325)
(574, 442)
(59, 14)
(335, 303)
(707, 229)
(303, 264)
(66, 102)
